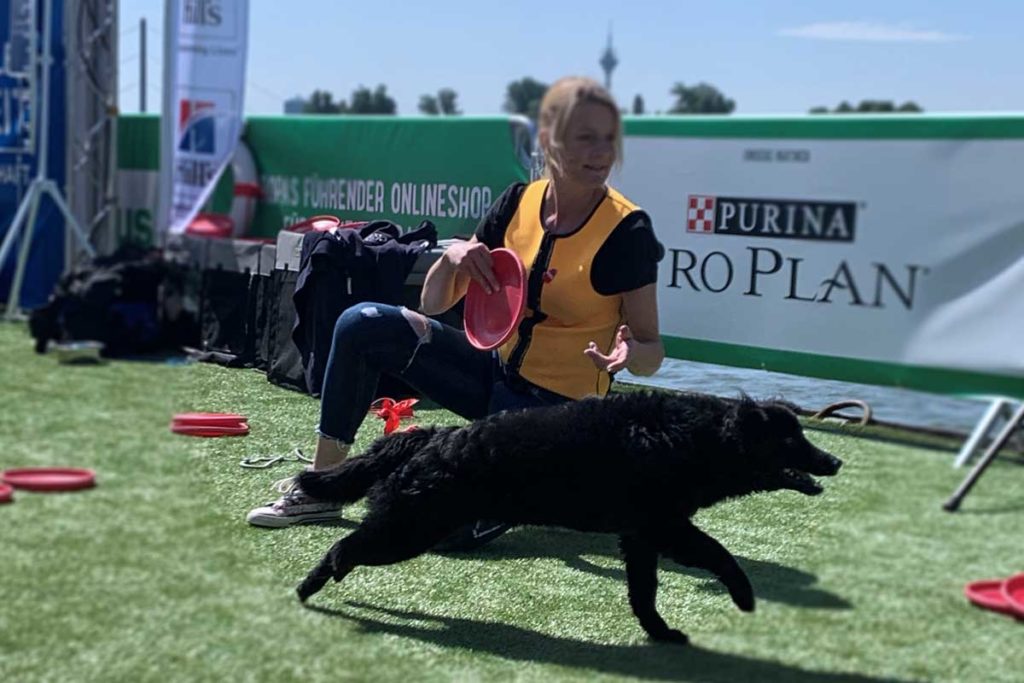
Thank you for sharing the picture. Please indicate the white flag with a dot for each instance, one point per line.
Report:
(204, 88)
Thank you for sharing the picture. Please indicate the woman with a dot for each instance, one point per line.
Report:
(591, 258)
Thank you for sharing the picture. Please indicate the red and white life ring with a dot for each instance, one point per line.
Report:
(246, 191)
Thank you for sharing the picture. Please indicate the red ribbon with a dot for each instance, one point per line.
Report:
(392, 411)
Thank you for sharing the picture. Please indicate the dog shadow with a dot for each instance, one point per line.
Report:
(642, 660)
(772, 582)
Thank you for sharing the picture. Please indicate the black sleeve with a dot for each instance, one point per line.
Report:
(491, 230)
(629, 258)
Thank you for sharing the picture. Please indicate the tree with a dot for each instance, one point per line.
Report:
(443, 103)
(638, 105)
(702, 98)
(870, 107)
(365, 101)
(321, 102)
(446, 100)
(428, 105)
(524, 96)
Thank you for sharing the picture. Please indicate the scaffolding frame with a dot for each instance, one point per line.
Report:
(91, 35)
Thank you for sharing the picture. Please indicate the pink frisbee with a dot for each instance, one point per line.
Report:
(209, 419)
(50, 478)
(211, 430)
(491, 319)
(1013, 594)
(988, 594)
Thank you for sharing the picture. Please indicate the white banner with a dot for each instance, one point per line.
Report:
(204, 88)
(898, 251)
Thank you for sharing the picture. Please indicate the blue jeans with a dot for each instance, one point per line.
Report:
(372, 339)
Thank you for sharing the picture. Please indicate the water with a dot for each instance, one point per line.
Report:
(888, 404)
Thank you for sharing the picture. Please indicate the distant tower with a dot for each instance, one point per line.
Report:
(609, 61)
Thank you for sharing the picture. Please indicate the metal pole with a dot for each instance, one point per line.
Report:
(994, 412)
(1016, 421)
(26, 244)
(142, 65)
(44, 99)
(41, 164)
(168, 129)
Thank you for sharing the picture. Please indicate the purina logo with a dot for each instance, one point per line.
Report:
(203, 12)
(781, 218)
(197, 126)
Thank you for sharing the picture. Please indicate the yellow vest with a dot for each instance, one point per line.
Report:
(563, 311)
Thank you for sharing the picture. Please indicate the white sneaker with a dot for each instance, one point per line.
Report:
(294, 507)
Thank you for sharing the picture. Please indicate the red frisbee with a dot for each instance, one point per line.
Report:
(210, 225)
(210, 430)
(209, 419)
(988, 594)
(50, 478)
(490, 319)
(323, 223)
(6, 493)
(1013, 594)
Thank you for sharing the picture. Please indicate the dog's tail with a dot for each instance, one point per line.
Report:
(351, 480)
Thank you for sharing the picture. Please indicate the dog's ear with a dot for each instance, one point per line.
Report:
(746, 420)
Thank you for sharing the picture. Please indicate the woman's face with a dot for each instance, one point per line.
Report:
(588, 148)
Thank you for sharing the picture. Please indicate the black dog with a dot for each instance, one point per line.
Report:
(638, 465)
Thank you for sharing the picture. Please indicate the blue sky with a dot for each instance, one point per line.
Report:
(771, 57)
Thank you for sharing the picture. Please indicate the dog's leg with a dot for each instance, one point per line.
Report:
(694, 548)
(642, 580)
(382, 538)
(318, 578)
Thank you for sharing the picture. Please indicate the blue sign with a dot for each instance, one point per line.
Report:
(18, 20)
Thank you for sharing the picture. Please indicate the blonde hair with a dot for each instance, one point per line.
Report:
(557, 107)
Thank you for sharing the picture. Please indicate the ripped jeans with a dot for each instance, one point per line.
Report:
(372, 339)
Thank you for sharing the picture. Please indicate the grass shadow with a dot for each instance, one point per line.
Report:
(1000, 510)
(646, 660)
(773, 582)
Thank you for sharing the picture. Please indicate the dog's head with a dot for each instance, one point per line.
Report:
(774, 452)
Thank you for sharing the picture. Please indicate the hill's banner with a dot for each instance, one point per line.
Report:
(444, 169)
(882, 250)
(204, 87)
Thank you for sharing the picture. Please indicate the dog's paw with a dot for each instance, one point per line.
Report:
(670, 635)
(741, 592)
(744, 599)
(310, 586)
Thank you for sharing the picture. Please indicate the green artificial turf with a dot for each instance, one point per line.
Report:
(155, 576)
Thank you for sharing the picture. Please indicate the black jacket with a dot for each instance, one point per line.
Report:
(345, 267)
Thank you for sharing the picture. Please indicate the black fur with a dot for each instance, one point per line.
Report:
(638, 465)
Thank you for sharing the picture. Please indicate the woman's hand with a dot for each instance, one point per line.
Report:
(473, 259)
(618, 357)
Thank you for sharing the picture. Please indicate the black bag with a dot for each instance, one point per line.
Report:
(112, 299)
(228, 317)
(284, 361)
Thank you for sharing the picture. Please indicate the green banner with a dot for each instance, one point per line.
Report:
(446, 169)
(832, 127)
